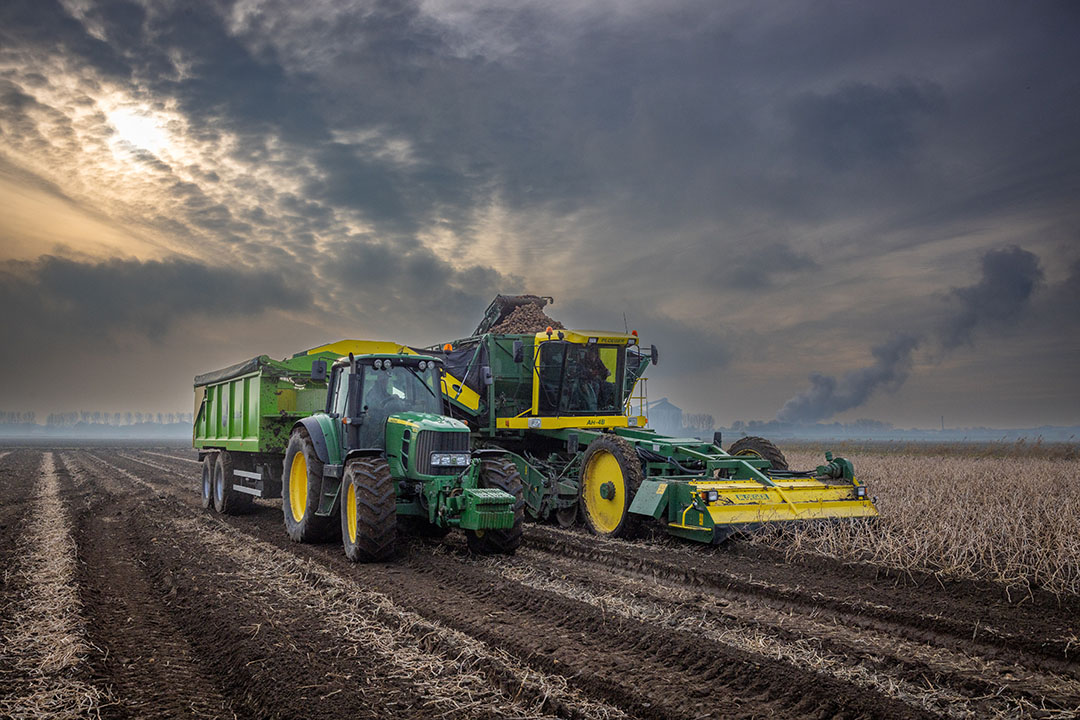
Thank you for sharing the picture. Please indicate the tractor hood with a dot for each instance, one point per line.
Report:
(427, 421)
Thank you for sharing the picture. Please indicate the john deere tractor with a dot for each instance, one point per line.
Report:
(364, 448)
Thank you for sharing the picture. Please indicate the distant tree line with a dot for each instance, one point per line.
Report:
(96, 417)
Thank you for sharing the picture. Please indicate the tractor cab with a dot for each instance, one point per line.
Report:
(367, 392)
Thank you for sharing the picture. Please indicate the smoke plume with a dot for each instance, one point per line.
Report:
(1009, 277)
(828, 396)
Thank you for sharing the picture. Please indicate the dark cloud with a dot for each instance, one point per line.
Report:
(759, 266)
(63, 299)
(1009, 277)
(861, 125)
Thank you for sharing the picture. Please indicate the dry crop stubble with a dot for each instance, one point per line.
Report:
(1010, 520)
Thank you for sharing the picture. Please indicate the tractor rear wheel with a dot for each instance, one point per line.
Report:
(301, 488)
(368, 510)
(759, 447)
(208, 480)
(610, 476)
(501, 473)
(226, 500)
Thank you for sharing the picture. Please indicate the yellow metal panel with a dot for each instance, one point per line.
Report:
(568, 421)
(604, 337)
(776, 511)
(400, 421)
(362, 347)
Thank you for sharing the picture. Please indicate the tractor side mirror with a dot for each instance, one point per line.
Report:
(654, 355)
(519, 351)
(318, 370)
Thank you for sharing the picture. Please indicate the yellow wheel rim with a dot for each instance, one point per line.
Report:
(298, 486)
(605, 514)
(748, 453)
(350, 511)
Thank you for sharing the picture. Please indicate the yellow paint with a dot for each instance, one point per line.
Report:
(287, 400)
(568, 421)
(604, 514)
(661, 488)
(452, 388)
(399, 421)
(603, 337)
(350, 511)
(298, 486)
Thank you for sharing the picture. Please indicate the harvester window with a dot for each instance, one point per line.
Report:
(580, 379)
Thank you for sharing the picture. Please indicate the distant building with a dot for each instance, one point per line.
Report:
(665, 417)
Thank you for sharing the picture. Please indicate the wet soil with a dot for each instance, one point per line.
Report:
(190, 613)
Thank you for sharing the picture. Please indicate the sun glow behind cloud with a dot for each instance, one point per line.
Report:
(139, 129)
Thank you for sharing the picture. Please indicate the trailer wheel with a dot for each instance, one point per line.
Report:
(226, 500)
(759, 447)
(368, 510)
(610, 476)
(501, 473)
(208, 480)
(301, 486)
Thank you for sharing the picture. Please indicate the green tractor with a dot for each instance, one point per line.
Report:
(378, 455)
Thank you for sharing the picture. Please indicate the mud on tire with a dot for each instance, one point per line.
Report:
(303, 525)
(368, 510)
(501, 473)
(226, 500)
(759, 447)
(625, 454)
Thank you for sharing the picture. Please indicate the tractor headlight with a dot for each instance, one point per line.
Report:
(449, 459)
(631, 421)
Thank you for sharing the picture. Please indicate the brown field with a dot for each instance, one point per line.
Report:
(122, 598)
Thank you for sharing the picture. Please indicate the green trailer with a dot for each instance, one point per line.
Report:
(569, 407)
(355, 438)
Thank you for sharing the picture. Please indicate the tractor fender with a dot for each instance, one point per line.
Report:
(318, 437)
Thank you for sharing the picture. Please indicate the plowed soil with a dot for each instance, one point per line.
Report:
(184, 613)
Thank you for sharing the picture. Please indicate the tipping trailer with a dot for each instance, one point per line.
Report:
(355, 437)
(561, 402)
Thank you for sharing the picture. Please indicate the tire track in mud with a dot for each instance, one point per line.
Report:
(1044, 638)
(421, 669)
(45, 648)
(635, 661)
(941, 672)
(939, 681)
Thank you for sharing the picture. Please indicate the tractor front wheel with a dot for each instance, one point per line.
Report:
(610, 476)
(751, 446)
(501, 473)
(368, 510)
(301, 487)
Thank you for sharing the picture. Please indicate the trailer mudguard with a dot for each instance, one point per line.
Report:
(320, 427)
(651, 499)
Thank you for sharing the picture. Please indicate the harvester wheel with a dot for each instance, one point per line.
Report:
(226, 500)
(301, 486)
(759, 447)
(610, 476)
(208, 480)
(501, 473)
(368, 510)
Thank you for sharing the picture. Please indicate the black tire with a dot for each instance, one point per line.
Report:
(208, 480)
(759, 447)
(308, 527)
(501, 473)
(624, 453)
(226, 500)
(368, 511)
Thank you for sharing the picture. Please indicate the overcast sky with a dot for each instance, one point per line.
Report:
(822, 211)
